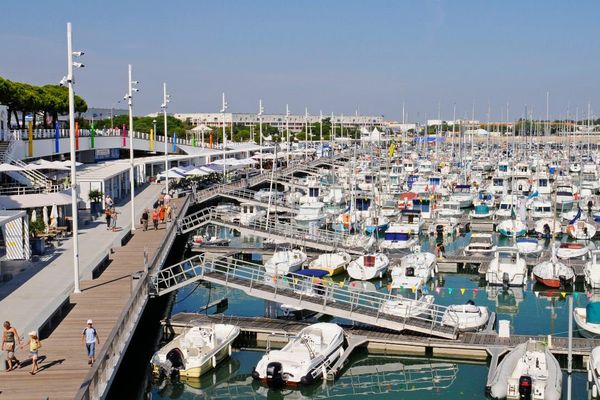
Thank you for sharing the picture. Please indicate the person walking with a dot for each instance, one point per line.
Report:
(169, 213)
(114, 214)
(145, 218)
(155, 217)
(9, 338)
(89, 337)
(161, 213)
(108, 215)
(166, 199)
(34, 345)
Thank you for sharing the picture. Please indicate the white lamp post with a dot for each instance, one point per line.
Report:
(305, 133)
(261, 110)
(164, 105)
(223, 109)
(129, 97)
(70, 81)
(321, 130)
(154, 125)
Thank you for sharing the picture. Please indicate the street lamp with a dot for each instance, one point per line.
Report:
(164, 105)
(287, 128)
(261, 110)
(223, 109)
(321, 130)
(129, 97)
(70, 81)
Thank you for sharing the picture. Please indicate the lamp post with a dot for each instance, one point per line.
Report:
(70, 81)
(223, 109)
(154, 125)
(321, 130)
(129, 98)
(261, 110)
(287, 129)
(164, 105)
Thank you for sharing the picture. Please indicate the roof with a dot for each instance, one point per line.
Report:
(35, 200)
(101, 172)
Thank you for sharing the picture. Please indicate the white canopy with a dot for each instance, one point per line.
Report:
(45, 164)
(4, 167)
(201, 128)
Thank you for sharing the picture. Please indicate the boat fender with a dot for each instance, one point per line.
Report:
(229, 350)
(307, 379)
(594, 392)
(589, 374)
(213, 361)
(571, 230)
(525, 387)
(255, 374)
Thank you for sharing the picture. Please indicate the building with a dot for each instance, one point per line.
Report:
(103, 113)
(296, 122)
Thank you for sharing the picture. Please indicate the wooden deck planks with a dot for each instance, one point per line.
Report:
(64, 365)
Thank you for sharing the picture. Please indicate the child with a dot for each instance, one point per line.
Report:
(34, 345)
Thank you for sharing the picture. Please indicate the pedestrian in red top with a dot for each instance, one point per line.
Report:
(155, 217)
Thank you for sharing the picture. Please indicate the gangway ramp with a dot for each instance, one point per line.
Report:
(314, 238)
(248, 196)
(323, 296)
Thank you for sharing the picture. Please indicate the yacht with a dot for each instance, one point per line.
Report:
(508, 206)
(449, 209)
(249, 214)
(368, 266)
(462, 195)
(310, 214)
(410, 222)
(414, 270)
(394, 239)
(540, 208)
(480, 244)
(285, 261)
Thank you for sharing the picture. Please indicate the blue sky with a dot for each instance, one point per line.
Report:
(338, 56)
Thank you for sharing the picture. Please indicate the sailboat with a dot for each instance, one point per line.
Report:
(553, 273)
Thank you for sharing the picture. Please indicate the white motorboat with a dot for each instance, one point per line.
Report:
(414, 270)
(480, 243)
(462, 195)
(449, 209)
(394, 240)
(445, 227)
(195, 351)
(368, 266)
(529, 371)
(310, 213)
(593, 368)
(581, 230)
(544, 227)
(572, 250)
(304, 359)
(592, 270)
(285, 261)
(482, 211)
(564, 197)
(588, 320)
(249, 214)
(508, 205)
(540, 208)
(333, 263)
(409, 308)
(410, 222)
(466, 317)
(507, 268)
(529, 246)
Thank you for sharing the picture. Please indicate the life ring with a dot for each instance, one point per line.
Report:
(571, 229)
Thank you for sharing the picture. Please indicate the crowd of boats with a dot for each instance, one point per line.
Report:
(543, 205)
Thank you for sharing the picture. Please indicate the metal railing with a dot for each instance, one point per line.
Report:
(318, 295)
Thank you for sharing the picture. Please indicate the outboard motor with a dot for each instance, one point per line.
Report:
(439, 230)
(525, 387)
(470, 302)
(564, 282)
(410, 271)
(274, 375)
(505, 281)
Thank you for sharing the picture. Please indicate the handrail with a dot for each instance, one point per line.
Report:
(302, 290)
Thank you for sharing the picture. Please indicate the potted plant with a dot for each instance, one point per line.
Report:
(38, 244)
(95, 197)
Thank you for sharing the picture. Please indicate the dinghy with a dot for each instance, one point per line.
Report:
(581, 230)
(593, 368)
(394, 240)
(333, 263)
(466, 317)
(507, 268)
(588, 320)
(368, 266)
(285, 261)
(408, 308)
(529, 371)
(304, 359)
(196, 351)
(553, 273)
(572, 250)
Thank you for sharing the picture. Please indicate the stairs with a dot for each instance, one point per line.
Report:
(28, 178)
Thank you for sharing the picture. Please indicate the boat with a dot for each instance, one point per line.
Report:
(529, 371)
(572, 250)
(368, 266)
(591, 270)
(393, 240)
(593, 368)
(249, 214)
(466, 317)
(444, 227)
(304, 285)
(208, 240)
(481, 243)
(414, 270)
(482, 211)
(581, 230)
(449, 209)
(512, 227)
(543, 227)
(462, 195)
(333, 263)
(410, 222)
(507, 268)
(285, 261)
(195, 351)
(310, 214)
(408, 308)
(529, 246)
(376, 224)
(552, 273)
(588, 320)
(540, 208)
(508, 205)
(304, 359)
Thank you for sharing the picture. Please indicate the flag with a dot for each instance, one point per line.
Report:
(391, 150)
(57, 138)
(174, 142)
(92, 136)
(76, 135)
(533, 195)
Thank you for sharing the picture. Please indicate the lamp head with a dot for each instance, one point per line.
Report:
(78, 53)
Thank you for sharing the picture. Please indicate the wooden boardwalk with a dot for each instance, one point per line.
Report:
(64, 362)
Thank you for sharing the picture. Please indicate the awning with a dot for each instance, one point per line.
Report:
(4, 167)
(35, 200)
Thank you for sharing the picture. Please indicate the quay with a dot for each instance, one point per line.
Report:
(113, 297)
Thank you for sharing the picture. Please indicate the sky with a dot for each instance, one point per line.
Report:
(344, 56)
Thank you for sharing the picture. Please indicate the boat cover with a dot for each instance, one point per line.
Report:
(593, 313)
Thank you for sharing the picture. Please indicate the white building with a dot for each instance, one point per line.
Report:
(296, 122)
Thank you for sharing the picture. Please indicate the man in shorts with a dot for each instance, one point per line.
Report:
(89, 337)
